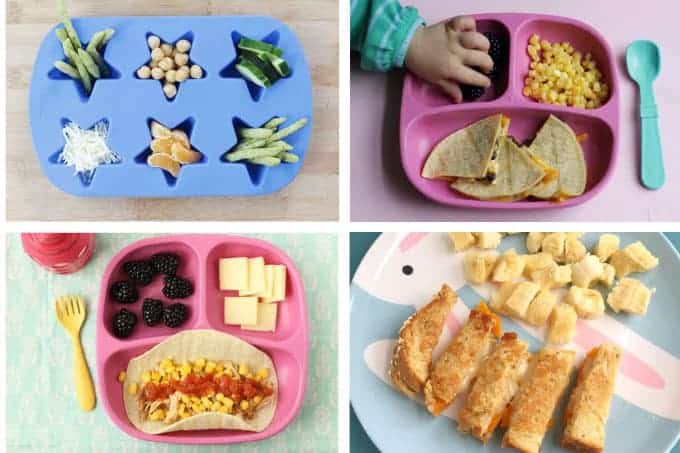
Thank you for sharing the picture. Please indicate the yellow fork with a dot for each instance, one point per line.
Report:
(71, 314)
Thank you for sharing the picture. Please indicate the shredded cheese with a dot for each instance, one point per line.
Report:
(85, 150)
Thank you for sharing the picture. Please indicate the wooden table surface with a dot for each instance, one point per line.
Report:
(313, 195)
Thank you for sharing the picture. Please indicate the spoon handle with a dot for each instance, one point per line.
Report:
(652, 171)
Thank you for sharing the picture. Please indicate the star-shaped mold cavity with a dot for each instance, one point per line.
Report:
(101, 126)
(230, 72)
(107, 72)
(185, 129)
(176, 65)
(255, 172)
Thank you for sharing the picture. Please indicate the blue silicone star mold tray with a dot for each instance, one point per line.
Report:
(209, 109)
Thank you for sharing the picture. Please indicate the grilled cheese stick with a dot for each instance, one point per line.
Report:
(588, 408)
(418, 337)
(532, 409)
(453, 370)
(494, 386)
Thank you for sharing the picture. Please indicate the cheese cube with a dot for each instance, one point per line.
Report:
(553, 243)
(537, 262)
(631, 296)
(555, 276)
(233, 274)
(587, 271)
(508, 267)
(562, 324)
(534, 242)
(588, 303)
(540, 308)
(477, 266)
(268, 282)
(499, 298)
(608, 274)
(574, 250)
(256, 277)
(488, 240)
(240, 310)
(633, 258)
(278, 290)
(266, 318)
(518, 302)
(462, 241)
(606, 245)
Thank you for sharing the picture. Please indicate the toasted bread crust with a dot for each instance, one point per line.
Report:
(493, 388)
(459, 363)
(588, 408)
(418, 337)
(532, 409)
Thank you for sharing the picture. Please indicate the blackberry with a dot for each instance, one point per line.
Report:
(471, 93)
(165, 263)
(124, 323)
(175, 315)
(497, 52)
(124, 292)
(152, 311)
(176, 287)
(140, 272)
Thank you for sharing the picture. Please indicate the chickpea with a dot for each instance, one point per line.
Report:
(183, 45)
(196, 72)
(181, 59)
(182, 74)
(170, 90)
(166, 64)
(171, 76)
(157, 54)
(167, 49)
(157, 73)
(144, 72)
(154, 42)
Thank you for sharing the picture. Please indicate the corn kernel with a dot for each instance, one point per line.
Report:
(146, 377)
(215, 407)
(243, 369)
(263, 373)
(244, 405)
(186, 399)
(228, 402)
(121, 376)
(535, 39)
(157, 415)
(132, 388)
(257, 399)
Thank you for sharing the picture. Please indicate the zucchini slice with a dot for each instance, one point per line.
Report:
(263, 65)
(252, 73)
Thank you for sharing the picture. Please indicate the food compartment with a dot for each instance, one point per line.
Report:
(291, 374)
(188, 269)
(422, 134)
(582, 37)
(431, 95)
(291, 314)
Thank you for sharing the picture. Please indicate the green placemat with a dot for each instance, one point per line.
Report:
(42, 412)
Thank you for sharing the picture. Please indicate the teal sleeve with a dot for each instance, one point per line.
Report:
(381, 31)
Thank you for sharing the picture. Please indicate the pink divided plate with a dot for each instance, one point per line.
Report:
(428, 115)
(199, 255)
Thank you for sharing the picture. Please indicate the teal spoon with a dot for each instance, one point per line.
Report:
(644, 61)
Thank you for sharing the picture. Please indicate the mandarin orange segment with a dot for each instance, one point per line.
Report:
(162, 145)
(165, 162)
(158, 130)
(184, 155)
(181, 136)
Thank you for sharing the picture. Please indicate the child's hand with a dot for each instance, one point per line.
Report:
(447, 54)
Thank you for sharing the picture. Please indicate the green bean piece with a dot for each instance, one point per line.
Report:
(253, 153)
(106, 37)
(275, 122)
(285, 132)
(69, 50)
(67, 69)
(284, 146)
(290, 158)
(99, 60)
(68, 25)
(95, 41)
(255, 132)
(61, 34)
(89, 63)
(266, 161)
(251, 143)
(85, 78)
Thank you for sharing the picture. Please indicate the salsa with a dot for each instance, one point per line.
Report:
(237, 389)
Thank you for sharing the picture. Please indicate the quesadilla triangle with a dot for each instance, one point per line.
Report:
(517, 174)
(468, 152)
(459, 363)
(557, 146)
(200, 379)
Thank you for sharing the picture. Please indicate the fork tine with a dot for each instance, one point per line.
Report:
(72, 310)
(82, 308)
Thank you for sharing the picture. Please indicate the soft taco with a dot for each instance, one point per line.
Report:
(518, 173)
(201, 379)
(557, 146)
(468, 152)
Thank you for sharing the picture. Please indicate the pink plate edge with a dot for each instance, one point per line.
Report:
(612, 120)
(302, 340)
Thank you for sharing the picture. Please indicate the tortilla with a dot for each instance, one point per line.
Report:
(557, 146)
(518, 173)
(467, 152)
(190, 345)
